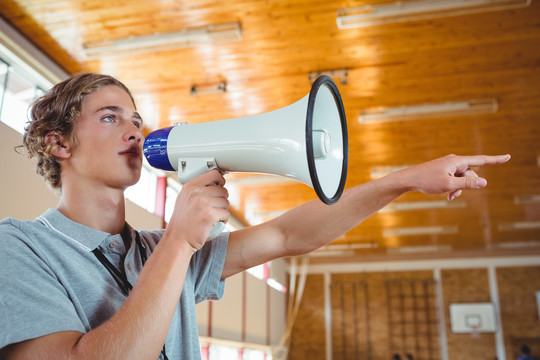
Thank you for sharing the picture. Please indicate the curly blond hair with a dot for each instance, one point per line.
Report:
(58, 110)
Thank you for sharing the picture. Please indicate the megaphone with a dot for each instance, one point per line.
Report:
(306, 141)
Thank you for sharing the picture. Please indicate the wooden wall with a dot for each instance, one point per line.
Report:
(308, 339)
(367, 322)
(519, 310)
(467, 286)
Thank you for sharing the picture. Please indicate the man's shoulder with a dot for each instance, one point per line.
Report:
(17, 232)
(10, 221)
(13, 223)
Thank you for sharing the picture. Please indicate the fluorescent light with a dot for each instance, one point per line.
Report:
(419, 249)
(422, 230)
(328, 253)
(414, 112)
(371, 245)
(516, 244)
(523, 225)
(189, 37)
(342, 249)
(403, 11)
(526, 199)
(422, 205)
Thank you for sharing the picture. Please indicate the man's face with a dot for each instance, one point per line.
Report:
(109, 139)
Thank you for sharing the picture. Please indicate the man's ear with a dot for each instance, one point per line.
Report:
(58, 144)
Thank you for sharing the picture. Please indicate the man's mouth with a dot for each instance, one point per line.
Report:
(134, 152)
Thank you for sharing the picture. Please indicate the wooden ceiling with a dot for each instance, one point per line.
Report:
(492, 55)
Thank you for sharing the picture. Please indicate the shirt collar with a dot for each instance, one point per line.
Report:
(87, 238)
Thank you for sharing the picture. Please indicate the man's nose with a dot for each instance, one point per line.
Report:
(134, 134)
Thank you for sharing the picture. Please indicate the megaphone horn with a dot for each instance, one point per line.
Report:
(306, 141)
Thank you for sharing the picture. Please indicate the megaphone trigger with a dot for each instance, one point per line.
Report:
(190, 168)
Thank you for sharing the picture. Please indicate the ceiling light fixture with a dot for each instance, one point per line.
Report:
(519, 225)
(414, 112)
(422, 230)
(526, 199)
(185, 38)
(422, 205)
(340, 74)
(419, 249)
(327, 253)
(403, 11)
(517, 244)
(370, 245)
(204, 89)
(342, 249)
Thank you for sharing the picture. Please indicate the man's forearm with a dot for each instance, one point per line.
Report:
(314, 224)
(309, 226)
(140, 327)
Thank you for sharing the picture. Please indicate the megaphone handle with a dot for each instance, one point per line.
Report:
(218, 229)
(189, 168)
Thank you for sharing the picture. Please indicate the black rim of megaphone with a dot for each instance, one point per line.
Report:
(326, 80)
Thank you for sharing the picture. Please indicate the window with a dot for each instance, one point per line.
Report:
(173, 189)
(250, 354)
(20, 86)
(222, 352)
(23, 82)
(18, 89)
(3, 81)
(218, 351)
(143, 193)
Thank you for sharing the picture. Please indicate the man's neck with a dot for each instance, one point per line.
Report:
(100, 209)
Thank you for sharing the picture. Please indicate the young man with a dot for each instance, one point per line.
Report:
(73, 282)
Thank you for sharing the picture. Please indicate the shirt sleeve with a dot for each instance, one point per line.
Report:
(206, 268)
(33, 302)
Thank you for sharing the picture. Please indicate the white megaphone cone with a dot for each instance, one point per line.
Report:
(306, 141)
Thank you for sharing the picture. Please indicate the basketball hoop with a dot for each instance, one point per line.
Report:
(475, 331)
(473, 322)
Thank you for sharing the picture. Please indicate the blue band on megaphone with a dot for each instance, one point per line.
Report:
(155, 149)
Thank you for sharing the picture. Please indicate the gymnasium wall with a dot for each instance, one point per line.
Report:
(374, 313)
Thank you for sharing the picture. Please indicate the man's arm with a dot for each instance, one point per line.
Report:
(314, 224)
(139, 328)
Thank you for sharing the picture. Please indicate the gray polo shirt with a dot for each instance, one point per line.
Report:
(50, 280)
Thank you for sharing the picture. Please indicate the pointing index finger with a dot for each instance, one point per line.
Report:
(481, 160)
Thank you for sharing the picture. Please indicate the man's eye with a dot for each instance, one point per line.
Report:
(109, 118)
(137, 123)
